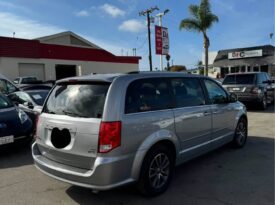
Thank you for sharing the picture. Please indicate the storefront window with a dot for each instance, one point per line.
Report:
(256, 68)
(224, 71)
(235, 69)
(264, 68)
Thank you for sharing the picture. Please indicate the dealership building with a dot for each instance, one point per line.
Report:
(249, 59)
(58, 56)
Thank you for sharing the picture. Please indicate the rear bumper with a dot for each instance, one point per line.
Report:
(247, 98)
(107, 173)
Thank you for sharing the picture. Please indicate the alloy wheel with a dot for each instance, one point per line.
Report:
(159, 170)
(241, 133)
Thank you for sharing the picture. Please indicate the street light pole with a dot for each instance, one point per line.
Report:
(160, 15)
(147, 14)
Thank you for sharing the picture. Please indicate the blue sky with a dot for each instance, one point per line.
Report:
(116, 26)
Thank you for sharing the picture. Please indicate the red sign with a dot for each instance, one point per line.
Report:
(162, 40)
(158, 34)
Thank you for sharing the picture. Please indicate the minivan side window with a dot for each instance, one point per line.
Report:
(216, 94)
(147, 95)
(188, 92)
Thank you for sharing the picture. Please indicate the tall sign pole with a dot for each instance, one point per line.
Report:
(147, 14)
(160, 15)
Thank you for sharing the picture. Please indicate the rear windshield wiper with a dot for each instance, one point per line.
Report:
(72, 114)
(50, 112)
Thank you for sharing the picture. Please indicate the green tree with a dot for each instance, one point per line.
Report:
(200, 21)
(177, 68)
(200, 67)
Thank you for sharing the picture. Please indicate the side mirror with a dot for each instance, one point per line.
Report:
(14, 99)
(232, 98)
(29, 105)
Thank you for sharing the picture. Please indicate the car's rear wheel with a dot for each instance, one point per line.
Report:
(240, 135)
(157, 171)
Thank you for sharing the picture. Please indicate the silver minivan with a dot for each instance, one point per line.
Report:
(106, 130)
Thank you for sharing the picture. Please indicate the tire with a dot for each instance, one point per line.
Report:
(263, 103)
(240, 135)
(159, 163)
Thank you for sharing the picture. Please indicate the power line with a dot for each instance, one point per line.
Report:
(142, 45)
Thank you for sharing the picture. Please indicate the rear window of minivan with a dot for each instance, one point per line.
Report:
(77, 100)
(240, 79)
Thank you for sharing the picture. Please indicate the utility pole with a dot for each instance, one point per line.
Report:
(147, 13)
(160, 15)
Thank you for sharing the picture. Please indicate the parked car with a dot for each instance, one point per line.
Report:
(32, 83)
(104, 131)
(15, 124)
(26, 80)
(27, 87)
(6, 86)
(254, 87)
(29, 101)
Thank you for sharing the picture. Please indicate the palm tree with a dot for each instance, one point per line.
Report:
(201, 20)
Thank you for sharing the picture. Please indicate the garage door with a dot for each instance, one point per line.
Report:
(32, 69)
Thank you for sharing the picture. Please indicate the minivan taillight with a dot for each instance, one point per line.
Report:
(109, 136)
(256, 90)
(36, 126)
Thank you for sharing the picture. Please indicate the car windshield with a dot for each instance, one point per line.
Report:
(5, 102)
(39, 97)
(240, 79)
(77, 100)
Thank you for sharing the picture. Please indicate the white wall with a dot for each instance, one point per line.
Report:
(9, 67)
(211, 57)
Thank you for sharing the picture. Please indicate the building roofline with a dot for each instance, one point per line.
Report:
(245, 48)
(68, 33)
(24, 48)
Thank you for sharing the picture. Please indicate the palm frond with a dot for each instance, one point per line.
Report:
(194, 11)
(190, 24)
(204, 9)
(205, 6)
(209, 20)
(201, 17)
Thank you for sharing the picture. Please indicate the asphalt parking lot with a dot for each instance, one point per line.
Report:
(225, 176)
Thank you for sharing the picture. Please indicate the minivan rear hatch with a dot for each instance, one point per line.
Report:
(69, 124)
(240, 83)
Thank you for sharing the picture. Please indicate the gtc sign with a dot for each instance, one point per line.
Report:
(245, 54)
